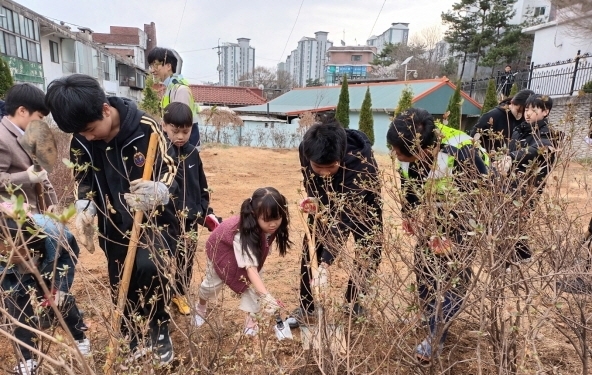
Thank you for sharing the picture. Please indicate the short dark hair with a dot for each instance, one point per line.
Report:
(509, 66)
(325, 143)
(75, 101)
(540, 101)
(164, 55)
(407, 127)
(178, 114)
(521, 97)
(25, 95)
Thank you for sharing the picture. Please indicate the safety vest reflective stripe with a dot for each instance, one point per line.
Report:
(171, 88)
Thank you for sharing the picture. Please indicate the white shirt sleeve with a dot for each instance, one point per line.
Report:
(243, 260)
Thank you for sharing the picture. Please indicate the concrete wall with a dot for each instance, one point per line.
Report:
(572, 116)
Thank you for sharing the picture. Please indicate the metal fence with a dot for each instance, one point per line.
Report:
(561, 78)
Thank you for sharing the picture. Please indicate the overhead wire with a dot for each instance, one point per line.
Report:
(376, 20)
(180, 23)
(293, 26)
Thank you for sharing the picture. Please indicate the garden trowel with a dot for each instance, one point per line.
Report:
(39, 143)
(282, 329)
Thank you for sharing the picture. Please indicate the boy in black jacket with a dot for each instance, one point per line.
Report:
(109, 148)
(531, 156)
(340, 175)
(192, 202)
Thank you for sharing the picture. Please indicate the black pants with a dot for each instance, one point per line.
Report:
(18, 303)
(365, 264)
(148, 277)
(185, 257)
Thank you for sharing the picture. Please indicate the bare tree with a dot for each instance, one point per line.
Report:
(576, 14)
(260, 76)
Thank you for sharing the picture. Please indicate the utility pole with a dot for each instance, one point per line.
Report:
(219, 68)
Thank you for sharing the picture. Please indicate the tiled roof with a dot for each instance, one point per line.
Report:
(231, 96)
(226, 95)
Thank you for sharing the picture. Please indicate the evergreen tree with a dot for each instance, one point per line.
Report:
(490, 101)
(6, 80)
(454, 113)
(366, 124)
(405, 100)
(342, 111)
(514, 90)
(150, 101)
(461, 30)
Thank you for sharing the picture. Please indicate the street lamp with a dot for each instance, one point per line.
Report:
(406, 62)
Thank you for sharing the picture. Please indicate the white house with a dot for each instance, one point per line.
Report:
(558, 42)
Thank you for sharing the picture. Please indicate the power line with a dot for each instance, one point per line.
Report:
(180, 23)
(196, 50)
(293, 26)
(376, 20)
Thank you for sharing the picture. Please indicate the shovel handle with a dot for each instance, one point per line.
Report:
(130, 258)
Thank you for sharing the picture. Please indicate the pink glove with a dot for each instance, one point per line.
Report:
(211, 222)
(408, 227)
(440, 245)
(309, 205)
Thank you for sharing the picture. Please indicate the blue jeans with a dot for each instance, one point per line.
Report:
(61, 249)
(440, 296)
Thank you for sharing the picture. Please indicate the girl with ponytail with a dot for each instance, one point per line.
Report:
(237, 250)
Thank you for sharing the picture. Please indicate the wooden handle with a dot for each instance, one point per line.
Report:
(312, 249)
(130, 257)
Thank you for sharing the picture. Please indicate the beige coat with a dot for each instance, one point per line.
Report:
(14, 162)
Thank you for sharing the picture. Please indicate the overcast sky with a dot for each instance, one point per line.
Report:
(268, 23)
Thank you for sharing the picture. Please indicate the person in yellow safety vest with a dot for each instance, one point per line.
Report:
(437, 164)
(163, 64)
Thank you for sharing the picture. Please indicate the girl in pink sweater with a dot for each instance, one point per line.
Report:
(237, 250)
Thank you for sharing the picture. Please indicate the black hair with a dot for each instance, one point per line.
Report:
(269, 204)
(75, 101)
(178, 114)
(25, 95)
(412, 131)
(325, 143)
(540, 101)
(509, 66)
(163, 55)
(520, 98)
(27, 234)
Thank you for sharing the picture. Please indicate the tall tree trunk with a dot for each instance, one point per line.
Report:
(464, 62)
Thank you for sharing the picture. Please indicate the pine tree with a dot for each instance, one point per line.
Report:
(490, 101)
(514, 89)
(454, 108)
(366, 124)
(150, 101)
(342, 111)
(6, 80)
(462, 28)
(405, 100)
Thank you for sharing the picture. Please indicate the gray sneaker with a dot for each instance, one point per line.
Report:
(299, 316)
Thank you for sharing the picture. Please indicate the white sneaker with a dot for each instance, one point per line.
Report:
(84, 347)
(198, 320)
(26, 368)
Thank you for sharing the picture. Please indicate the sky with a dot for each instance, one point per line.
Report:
(194, 27)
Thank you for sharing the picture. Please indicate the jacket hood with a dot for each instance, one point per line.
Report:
(129, 117)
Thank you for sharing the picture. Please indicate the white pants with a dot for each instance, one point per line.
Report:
(212, 285)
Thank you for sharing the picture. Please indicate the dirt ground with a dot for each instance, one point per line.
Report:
(233, 174)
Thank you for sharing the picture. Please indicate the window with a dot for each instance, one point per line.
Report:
(10, 41)
(539, 11)
(20, 36)
(106, 67)
(356, 58)
(54, 51)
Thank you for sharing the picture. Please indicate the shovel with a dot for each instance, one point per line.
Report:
(39, 143)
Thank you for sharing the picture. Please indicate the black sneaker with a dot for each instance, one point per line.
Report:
(162, 346)
(357, 311)
(299, 316)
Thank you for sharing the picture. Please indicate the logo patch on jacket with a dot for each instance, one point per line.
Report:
(139, 159)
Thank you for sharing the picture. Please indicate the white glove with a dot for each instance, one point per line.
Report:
(36, 177)
(60, 298)
(144, 195)
(85, 223)
(269, 304)
(322, 279)
(503, 165)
